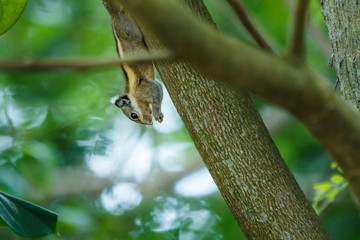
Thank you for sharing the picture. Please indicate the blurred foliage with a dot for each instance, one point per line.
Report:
(10, 11)
(65, 147)
(326, 192)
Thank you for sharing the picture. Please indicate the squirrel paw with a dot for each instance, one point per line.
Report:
(159, 117)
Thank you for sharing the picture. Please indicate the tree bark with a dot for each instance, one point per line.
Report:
(285, 82)
(342, 19)
(258, 187)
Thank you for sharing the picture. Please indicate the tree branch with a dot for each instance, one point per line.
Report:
(298, 34)
(240, 11)
(32, 64)
(314, 33)
(299, 90)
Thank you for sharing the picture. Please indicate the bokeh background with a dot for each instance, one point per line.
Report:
(65, 147)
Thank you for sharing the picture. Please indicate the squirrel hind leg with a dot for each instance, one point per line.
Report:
(126, 28)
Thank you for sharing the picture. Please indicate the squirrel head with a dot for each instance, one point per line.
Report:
(135, 109)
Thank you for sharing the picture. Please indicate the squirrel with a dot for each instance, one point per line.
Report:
(141, 87)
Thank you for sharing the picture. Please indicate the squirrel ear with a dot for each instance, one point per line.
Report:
(122, 101)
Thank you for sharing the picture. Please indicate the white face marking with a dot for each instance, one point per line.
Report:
(114, 99)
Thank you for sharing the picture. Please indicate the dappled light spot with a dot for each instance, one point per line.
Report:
(204, 184)
(122, 197)
(172, 121)
(171, 214)
(169, 157)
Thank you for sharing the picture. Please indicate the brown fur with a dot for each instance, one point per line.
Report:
(141, 88)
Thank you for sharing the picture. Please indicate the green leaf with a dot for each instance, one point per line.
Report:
(323, 187)
(337, 178)
(10, 11)
(334, 165)
(3, 223)
(25, 218)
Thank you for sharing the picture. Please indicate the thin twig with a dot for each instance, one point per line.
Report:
(314, 33)
(33, 64)
(240, 10)
(298, 34)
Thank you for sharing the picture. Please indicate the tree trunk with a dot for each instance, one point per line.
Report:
(342, 19)
(258, 187)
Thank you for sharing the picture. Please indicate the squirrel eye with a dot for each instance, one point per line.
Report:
(134, 116)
